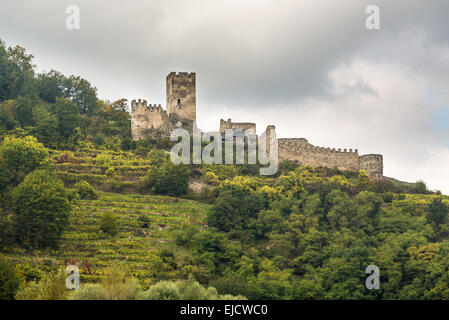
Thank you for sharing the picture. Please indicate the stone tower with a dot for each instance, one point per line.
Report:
(181, 95)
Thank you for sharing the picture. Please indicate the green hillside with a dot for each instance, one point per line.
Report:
(148, 223)
(76, 190)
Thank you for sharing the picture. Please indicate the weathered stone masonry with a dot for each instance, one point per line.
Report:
(225, 125)
(151, 121)
(299, 149)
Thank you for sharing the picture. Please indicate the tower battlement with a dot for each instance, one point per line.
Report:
(152, 121)
(181, 95)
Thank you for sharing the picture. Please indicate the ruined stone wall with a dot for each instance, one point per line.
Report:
(372, 163)
(181, 95)
(299, 149)
(149, 121)
(236, 125)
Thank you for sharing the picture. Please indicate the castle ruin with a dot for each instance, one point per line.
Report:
(152, 122)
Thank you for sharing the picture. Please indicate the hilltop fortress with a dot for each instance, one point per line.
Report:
(152, 122)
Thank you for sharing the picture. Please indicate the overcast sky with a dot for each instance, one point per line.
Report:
(311, 68)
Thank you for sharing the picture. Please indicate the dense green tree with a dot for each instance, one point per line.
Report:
(168, 179)
(82, 94)
(24, 110)
(7, 115)
(437, 212)
(109, 224)
(214, 250)
(41, 210)
(22, 155)
(50, 85)
(45, 126)
(67, 114)
(235, 212)
(16, 72)
(85, 190)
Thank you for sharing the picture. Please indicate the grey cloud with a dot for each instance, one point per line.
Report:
(297, 64)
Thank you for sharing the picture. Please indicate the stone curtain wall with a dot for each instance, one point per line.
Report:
(298, 149)
(152, 122)
(149, 121)
(372, 163)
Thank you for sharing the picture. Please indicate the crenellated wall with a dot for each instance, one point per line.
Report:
(299, 149)
(149, 121)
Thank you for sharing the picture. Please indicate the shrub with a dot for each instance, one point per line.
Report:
(211, 178)
(88, 291)
(85, 190)
(169, 179)
(437, 212)
(109, 224)
(110, 172)
(206, 195)
(163, 290)
(184, 290)
(9, 281)
(363, 181)
(115, 284)
(419, 187)
(127, 144)
(41, 210)
(51, 287)
(156, 157)
(23, 155)
(99, 139)
(65, 157)
(388, 197)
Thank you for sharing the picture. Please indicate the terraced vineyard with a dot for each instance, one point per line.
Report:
(148, 223)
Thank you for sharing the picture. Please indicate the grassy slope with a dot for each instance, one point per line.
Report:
(84, 245)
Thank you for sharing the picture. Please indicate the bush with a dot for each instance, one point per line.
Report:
(169, 179)
(99, 139)
(109, 224)
(419, 188)
(41, 210)
(88, 291)
(9, 281)
(363, 181)
(22, 156)
(66, 157)
(85, 190)
(115, 284)
(52, 287)
(184, 290)
(127, 144)
(163, 290)
(206, 195)
(110, 172)
(211, 178)
(388, 197)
